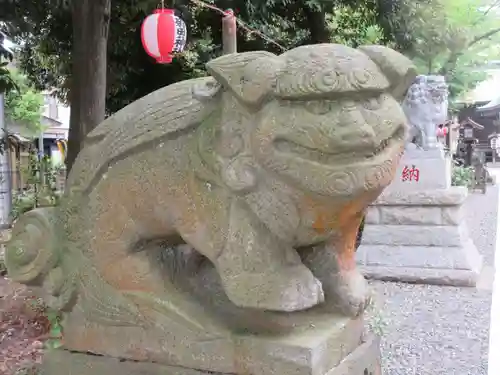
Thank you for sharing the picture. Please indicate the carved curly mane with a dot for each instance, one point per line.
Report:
(153, 119)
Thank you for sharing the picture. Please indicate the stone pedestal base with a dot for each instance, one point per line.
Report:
(197, 330)
(363, 360)
(419, 236)
(433, 168)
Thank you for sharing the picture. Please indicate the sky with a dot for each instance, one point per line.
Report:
(7, 43)
(487, 90)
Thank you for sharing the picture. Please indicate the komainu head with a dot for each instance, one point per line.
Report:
(326, 116)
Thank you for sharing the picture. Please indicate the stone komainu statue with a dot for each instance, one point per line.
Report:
(426, 106)
(264, 168)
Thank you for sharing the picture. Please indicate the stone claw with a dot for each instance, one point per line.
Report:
(287, 290)
(350, 292)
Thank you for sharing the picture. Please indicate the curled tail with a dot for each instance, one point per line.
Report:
(32, 258)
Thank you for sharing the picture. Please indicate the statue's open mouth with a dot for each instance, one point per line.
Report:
(358, 152)
(396, 137)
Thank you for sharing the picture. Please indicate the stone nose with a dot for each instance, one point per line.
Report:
(349, 105)
(354, 132)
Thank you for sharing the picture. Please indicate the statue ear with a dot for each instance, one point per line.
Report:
(249, 75)
(399, 70)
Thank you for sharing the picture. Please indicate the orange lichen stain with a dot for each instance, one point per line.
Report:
(136, 353)
(321, 223)
(345, 245)
(190, 205)
(325, 217)
(126, 274)
(344, 220)
(350, 216)
(83, 339)
(96, 339)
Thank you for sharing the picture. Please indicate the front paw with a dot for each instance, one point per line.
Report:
(286, 289)
(348, 292)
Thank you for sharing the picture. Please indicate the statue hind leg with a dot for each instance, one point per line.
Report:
(113, 247)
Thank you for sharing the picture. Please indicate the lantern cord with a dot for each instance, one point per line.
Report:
(242, 24)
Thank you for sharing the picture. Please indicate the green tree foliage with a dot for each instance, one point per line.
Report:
(354, 26)
(450, 37)
(23, 105)
(6, 81)
(46, 32)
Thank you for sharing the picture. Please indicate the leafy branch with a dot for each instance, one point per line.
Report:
(23, 104)
(492, 6)
(7, 83)
(450, 65)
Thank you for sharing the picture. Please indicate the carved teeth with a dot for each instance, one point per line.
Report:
(382, 146)
(385, 143)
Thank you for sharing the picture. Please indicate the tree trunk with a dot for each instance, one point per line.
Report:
(318, 28)
(430, 64)
(89, 59)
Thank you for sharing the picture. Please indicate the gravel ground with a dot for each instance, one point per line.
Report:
(441, 330)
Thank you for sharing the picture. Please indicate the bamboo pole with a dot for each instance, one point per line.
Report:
(229, 33)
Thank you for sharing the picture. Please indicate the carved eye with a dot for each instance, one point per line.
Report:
(319, 107)
(372, 104)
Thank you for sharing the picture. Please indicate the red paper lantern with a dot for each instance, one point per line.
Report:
(162, 34)
(442, 132)
(231, 19)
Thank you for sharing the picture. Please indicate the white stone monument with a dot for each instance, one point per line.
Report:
(416, 232)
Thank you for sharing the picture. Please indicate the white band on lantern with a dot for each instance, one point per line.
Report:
(180, 33)
(150, 39)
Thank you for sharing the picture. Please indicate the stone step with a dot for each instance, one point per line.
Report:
(465, 257)
(415, 235)
(432, 276)
(415, 215)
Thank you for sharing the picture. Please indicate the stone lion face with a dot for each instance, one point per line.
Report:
(333, 126)
(325, 117)
(342, 147)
